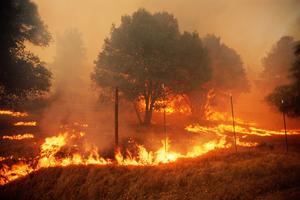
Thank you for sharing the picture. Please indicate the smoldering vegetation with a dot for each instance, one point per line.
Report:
(158, 68)
(218, 175)
(72, 101)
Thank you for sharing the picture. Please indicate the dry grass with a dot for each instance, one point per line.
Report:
(247, 175)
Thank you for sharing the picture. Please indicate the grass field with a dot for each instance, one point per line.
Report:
(255, 174)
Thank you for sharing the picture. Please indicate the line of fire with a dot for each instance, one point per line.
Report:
(149, 99)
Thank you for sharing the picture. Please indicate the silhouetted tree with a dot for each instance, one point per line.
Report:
(228, 76)
(277, 64)
(286, 98)
(22, 74)
(147, 51)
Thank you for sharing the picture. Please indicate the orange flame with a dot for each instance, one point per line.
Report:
(18, 137)
(32, 123)
(49, 156)
(222, 128)
(13, 114)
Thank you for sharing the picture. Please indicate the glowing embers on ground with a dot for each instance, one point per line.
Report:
(18, 137)
(13, 114)
(31, 123)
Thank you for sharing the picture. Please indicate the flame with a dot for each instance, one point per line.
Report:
(144, 157)
(176, 103)
(18, 137)
(62, 150)
(222, 128)
(32, 123)
(53, 145)
(13, 114)
(51, 155)
(11, 173)
(245, 144)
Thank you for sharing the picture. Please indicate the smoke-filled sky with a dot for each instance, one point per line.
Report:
(249, 26)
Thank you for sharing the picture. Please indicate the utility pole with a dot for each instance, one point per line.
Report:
(284, 125)
(165, 130)
(165, 126)
(233, 123)
(116, 120)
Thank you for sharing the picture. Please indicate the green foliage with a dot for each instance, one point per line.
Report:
(146, 52)
(22, 74)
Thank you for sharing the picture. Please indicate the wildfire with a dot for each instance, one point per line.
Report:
(222, 128)
(144, 157)
(63, 149)
(53, 145)
(18, 137)
(13, 114)
(11, 173)
(245, 144)
(173, 104)
(59, 151)
(32, 123)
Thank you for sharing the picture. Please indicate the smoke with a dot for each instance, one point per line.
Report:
(250, 27)
(73, 102)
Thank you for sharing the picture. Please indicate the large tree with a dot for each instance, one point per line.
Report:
(22, 74)
(277, 63)
(286, 98)
(145, 53)
(228, 76)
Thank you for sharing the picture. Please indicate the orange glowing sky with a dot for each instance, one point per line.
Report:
(249, 26)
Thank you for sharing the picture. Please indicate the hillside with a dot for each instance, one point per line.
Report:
(218, 175)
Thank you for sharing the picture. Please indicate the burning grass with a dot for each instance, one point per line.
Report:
(13, 114)
(31, 123)
(218, 175)
(67, 152)
(18, 137)
(62, 150)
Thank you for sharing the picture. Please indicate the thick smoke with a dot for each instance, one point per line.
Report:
(73, 101)
(267, 21)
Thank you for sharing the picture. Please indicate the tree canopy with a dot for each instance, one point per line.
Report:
(228, 76)
(145, 53)
(228, 69)
(277, 63)
(286, 98)
(22, 74)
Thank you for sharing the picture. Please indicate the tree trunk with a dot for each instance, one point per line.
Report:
(148, 117)
(150, 98)
(137, 112)
(198, 103)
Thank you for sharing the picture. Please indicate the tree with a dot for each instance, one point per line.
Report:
(286, 98)
(146, 52)
(277, 63)
(193, 71)
(22, 74)
(228, 75)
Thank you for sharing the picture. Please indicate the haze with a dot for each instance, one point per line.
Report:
(251, 27)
